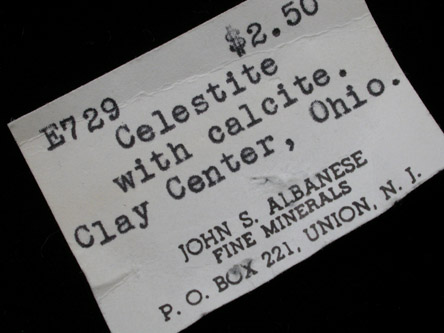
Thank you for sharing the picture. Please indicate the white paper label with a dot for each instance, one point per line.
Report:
(199, 171)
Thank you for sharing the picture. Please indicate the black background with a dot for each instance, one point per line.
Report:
(386, 274)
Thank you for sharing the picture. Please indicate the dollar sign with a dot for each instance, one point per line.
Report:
(237, 43)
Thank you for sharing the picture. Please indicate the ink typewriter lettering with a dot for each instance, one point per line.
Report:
(197, 181)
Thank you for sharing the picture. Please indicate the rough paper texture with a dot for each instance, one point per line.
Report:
(203, 169)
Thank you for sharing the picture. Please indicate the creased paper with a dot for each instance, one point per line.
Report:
(199, 171)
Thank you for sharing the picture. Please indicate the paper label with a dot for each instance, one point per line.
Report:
(199, 171)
